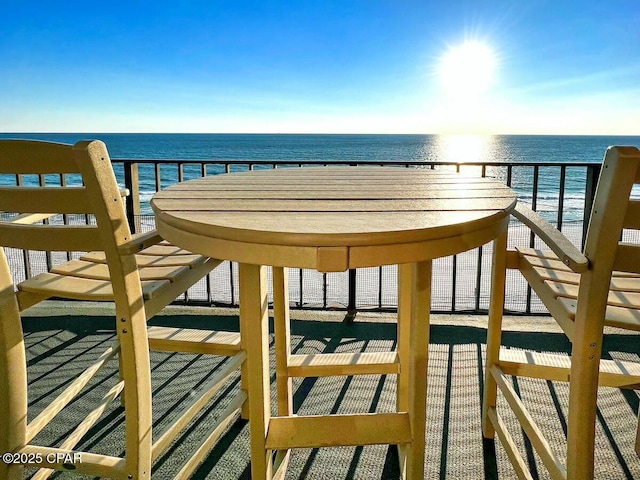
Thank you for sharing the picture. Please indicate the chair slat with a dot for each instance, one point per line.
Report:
(626, 284)
(226, 418)
(82, 288)
(548, 261)
(32, 157)
(557, 275)
(50, 237)
(627, 318)
(627, 258)
(545, 262)
(628, 281)
(93, 464)
(100, 271)
(152, 260)
(529, 425)
(81, 430)
(550, 366)
(534, 252)
(615, 298)
(164, 250)
(30, 218)
(632, 217)
(195, 405)
(510, 446)
(45, 199)
(44, 418)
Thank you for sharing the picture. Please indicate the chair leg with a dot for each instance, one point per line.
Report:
(121, 374)
(13, 375)
(494, 330)
(583, 394)
(136, 371)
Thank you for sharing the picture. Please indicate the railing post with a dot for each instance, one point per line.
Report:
(351, 307)
(593, 174)
(132, 201)
(301, 302)
(532, 235)
(478, 280)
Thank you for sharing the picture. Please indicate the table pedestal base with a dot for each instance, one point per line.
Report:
(405, 427)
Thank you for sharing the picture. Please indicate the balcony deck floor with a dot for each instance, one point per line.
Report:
(60, 340)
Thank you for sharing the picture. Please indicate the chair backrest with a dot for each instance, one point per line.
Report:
(51, 179)
(613, 210)
(52, 183)
(66, 198)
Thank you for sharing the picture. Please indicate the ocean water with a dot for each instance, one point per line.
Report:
(361, 147)
(365, 148)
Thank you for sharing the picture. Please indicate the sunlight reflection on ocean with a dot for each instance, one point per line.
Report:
(465, 148)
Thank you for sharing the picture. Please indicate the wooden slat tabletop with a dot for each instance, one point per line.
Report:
(333, 206)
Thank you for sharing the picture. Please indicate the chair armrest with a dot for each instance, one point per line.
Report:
(140, 241)
(559, 244)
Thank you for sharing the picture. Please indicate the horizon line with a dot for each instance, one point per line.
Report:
(324, 133)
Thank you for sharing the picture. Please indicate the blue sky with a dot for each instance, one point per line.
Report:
(318, 66)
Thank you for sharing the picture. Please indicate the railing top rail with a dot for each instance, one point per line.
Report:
(355, 162)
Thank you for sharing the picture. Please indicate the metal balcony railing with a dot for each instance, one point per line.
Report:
(561, 191)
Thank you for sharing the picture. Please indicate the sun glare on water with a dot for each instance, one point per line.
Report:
(467, 70)
(464, 148)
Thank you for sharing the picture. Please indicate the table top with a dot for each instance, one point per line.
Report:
(330, 207)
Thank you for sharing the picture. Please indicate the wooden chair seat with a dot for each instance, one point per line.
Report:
(556, 283)
(100, 271)
(160, 255)
(158, 270)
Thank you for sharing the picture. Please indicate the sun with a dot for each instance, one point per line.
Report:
(467, 70)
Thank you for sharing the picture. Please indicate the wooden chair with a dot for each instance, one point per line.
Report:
(140, 273)
(584, 293)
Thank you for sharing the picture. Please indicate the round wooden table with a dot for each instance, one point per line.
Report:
(332, 219)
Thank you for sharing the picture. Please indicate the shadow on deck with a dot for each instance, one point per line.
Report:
(59, 346)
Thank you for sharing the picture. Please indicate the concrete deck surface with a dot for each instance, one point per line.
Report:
(61, 337)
